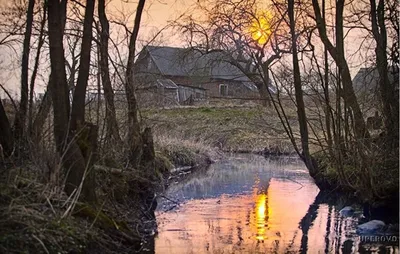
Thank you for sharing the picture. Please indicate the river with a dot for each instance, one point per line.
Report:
(251, 204)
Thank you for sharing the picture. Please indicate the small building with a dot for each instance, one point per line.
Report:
(197, 74)
(366, 87)
(161, 92)
(188, 95)
(164, 92)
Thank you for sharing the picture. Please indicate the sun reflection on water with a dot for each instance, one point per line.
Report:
(268, 215)
(261, 216)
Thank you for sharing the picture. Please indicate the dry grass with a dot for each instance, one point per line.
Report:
(37, 217)
(232, 128)
(185, 152)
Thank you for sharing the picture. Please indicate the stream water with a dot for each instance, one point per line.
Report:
(250, 204)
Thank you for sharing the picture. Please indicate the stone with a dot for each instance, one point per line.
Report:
(347, 211)
(371, 227)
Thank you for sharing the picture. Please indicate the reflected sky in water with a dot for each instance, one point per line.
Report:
(248, 204)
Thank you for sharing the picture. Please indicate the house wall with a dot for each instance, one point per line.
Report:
(157, 97)
(186, 92)
(234, 89)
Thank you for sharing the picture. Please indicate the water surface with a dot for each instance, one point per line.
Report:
(249, 204)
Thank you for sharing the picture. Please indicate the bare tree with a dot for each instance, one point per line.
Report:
(337, 53)
(19, 125)
(78, 103)
(112, 130)
(387, 89)
(134, 136)
(46, 103)
(250, 39)
(76, 149)
(301, 113)
(6, 137)
(36, 67)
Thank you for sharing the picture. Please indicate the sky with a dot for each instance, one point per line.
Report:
(157, 15)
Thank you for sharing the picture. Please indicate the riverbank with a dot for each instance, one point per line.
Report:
(41, 218)
(254, 129)
(38, 217)
(228, 128)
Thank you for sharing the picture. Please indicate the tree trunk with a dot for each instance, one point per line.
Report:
(264, 96)
(80, 170)
(72, 151)
(58, 80)
(148, 157)
(263, 89)
(134, 136)
(387, 91)
(42, 114)
(301, 113)
(84, 133)
(20, 120)
(45, 105)
(6, 137)
(337, 53)
(112, 131)
(78, 103)
(326, 93)
(35, 70)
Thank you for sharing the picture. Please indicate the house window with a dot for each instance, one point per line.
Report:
(223, 90)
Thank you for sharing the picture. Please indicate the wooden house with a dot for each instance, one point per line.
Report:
(193, 72)
(366, 87)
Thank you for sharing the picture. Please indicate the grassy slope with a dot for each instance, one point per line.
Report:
(227, 128)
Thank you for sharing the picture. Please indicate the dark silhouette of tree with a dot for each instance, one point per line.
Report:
(6, 137)
(35, 68)
(112, 130)
(20, 121)
(337, 53)
(387, 89)
(74, 141)
(301, 113)
(134, 136)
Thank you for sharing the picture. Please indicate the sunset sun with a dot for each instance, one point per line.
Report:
(260, 28)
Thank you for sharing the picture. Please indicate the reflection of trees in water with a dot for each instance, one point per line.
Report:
(334, 242)
(328, 230)
(307, 222)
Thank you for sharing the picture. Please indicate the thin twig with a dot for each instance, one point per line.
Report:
(41, 243)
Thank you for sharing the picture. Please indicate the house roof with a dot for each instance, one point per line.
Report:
(166, 83)
(250, 85)
(191, 62)
(367, 79)
(194, 87)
